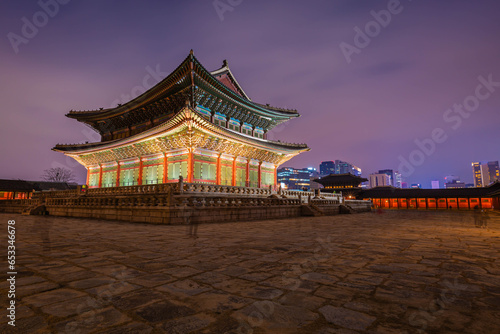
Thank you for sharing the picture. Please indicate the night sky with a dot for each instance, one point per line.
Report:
(396, 89)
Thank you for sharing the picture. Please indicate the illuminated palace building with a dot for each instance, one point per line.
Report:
(194, 123)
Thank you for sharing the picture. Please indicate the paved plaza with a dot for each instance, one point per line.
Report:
(396, 272)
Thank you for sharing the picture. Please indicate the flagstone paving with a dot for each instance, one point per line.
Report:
(396, 272)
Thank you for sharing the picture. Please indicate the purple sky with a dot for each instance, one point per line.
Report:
(287, 53)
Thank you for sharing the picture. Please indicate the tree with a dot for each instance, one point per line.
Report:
(58, 174)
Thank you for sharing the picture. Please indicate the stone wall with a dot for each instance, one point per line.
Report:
(359, 206)
(178, 215)
(177, 204)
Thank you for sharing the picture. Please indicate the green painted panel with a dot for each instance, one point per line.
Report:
(108, 179)
(226, 175)
(212, 172)
(129, 177)
(241, 175)
(93, 180)
(197, 170)
(152, 174)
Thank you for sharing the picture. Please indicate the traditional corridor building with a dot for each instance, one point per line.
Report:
(194, 123)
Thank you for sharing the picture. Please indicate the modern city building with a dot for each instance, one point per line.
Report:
(454, 185)
(395, 178)
(338, 167)
(313, 175)
(485, 173)
(416, 186)
(451, 178)
(294, 179)
(327, 168)
(196, 124)
(390, 173)
(379, 180)
(398, 180)
(435, 184)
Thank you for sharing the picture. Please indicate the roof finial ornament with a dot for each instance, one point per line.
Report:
(224, 63)
(191, 52)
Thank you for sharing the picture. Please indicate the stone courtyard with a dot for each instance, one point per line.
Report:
(395, 272)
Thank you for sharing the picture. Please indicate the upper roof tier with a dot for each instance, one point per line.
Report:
(216, 92)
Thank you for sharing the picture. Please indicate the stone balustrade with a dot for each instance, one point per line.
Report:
(162, 200)
(162, 188)
(219, 201)
(303, 194)
(320, 201)
(165, 188)
(21, 202)
(56, 193)
(230, 190)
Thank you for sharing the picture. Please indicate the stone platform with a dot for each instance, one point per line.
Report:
(396, 272)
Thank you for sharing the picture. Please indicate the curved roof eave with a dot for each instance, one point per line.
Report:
(170, 125)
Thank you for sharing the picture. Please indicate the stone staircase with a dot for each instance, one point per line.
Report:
(311, 210)
(345, 209)
(37, 209)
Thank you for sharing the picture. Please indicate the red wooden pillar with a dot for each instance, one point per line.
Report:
(165, 168)
(100, 176)
(234, 172)
(247, 178)
(190, 170)
(275, 176)
(217, 170)
(118, 174)
(259, 178)
(88, 176)
(139, 181)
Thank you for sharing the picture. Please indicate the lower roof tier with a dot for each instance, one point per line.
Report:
(188, 129)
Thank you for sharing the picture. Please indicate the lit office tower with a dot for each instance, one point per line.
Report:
(476, 171)
(338, 167)
(294, 178)
(398, 180)
(327, 168)
(379, 180)
(389, 173)
(485, 173)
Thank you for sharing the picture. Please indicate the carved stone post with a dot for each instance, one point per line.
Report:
(181, 184)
